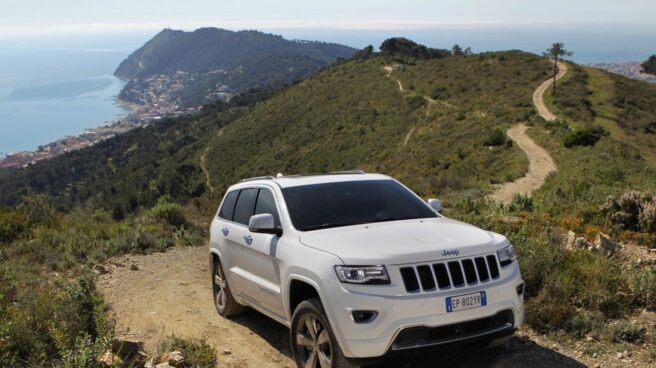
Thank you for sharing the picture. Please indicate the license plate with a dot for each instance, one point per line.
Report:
(467, 301)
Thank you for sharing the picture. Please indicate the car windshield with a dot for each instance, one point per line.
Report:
(321, 206)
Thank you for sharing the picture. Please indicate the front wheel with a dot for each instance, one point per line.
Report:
(312, 339)
(224, 302)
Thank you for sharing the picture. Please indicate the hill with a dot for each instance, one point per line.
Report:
(438, 125)
(210, 58)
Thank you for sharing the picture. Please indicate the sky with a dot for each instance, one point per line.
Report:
(34, 17)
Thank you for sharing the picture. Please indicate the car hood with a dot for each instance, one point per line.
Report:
(400, 242)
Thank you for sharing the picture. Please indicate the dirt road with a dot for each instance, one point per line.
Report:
(538, 95)
(540, 165)
(170, 293)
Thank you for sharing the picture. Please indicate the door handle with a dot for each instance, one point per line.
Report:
(248, 239)
(225, 231)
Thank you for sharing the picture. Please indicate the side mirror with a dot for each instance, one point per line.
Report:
(435, 204)
(263, 223)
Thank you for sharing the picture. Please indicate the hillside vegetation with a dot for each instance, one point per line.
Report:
(354, 116)
(438, 125)
(241, 60)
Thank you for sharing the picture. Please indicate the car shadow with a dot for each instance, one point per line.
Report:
(518, 352)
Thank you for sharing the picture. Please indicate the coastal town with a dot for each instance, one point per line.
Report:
(631, 70)
(151, 100)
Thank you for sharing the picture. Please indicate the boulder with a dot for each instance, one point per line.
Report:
(573, 242)
(605, 245)
(173, 358)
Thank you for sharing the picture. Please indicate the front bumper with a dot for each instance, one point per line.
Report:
(424, 313)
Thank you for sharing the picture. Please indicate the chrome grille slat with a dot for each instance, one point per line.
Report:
(452, 273)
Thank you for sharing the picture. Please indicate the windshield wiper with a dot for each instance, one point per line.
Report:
(385, 219)
(323, 226)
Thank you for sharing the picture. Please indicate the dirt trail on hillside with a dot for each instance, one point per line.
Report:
(538, 95)
(540, 165)
(170, 293)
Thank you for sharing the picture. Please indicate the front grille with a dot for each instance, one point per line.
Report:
(417, 337)
(452, 274)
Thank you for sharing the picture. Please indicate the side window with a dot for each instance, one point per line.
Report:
(228, 207)
(266, 204)
(244, 206)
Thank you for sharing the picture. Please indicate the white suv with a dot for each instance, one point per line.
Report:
(360, 267)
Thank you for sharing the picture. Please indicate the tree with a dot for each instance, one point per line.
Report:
(365, 53)
(456, 50)
(649, 66)
(557, 50)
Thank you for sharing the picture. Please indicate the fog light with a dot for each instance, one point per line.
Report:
(520, 289)
(364, 316)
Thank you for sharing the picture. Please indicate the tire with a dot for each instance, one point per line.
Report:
(312, 338)
(224, 302)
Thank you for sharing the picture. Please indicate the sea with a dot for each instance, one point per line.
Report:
(59, 85)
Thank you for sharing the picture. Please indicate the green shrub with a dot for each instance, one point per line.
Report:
(196, 353)
(581, 281)
(12, 224)
(172, 213)
(642, 283)
(521, 202)
(495, 138)
(631, 210)
(585, 137)
(625, 331)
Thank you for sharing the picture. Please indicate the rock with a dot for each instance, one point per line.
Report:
(226, 352)
(573, 242)
(571, 238)
(589, 338)
(605, 245)
(101, 269)
(150, 363)
(173, 358)
(134, 267)
(108, 359)
(163, 365)
(127, 348)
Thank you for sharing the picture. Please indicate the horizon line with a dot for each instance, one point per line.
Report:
(360, 25)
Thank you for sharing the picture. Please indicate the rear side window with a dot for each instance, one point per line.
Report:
(244, 206)
(228, 207)
(266, 204)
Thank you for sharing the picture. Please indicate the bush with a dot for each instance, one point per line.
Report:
(172, 213)
(196, 353)
(625, 331)
(632, 210)
(521, 203)
(12, 224)
(585, 137)
(582, 281)
(642, 283)
(496, 138)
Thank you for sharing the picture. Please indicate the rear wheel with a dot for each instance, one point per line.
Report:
(312, 339)
(224, 302)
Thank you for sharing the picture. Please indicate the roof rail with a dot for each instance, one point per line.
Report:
(268, 177)
(348, 172)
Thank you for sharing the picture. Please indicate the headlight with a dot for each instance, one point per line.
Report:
(372, 275)
(507, 255)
